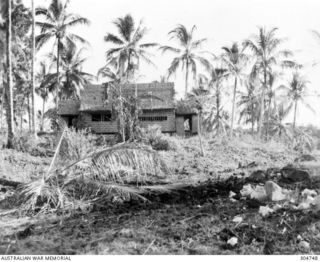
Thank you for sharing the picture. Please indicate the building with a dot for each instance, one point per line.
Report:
(94, 109)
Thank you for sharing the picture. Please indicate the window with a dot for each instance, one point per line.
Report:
(101, 117)
(153, 118)
(106, 117)
(96, 118)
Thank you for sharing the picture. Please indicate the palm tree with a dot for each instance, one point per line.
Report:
(128, 49)
(197, 98)
(187, 54)
(56, 25)
(281, 111)
(249, 104)
(215, 116)
(45, 88)
(235, 61)
(296, 91)
(72, 76)
(265, 47)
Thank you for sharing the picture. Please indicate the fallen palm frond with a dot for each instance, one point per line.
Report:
(123, 171)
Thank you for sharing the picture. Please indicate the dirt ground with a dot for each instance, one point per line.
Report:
(195, 219)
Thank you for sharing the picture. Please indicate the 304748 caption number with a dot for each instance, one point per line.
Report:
(314, 258)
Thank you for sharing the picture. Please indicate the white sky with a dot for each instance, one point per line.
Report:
(220, 21)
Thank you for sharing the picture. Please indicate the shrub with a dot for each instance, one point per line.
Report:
(26, 142)
(152, 135)
(76, 144)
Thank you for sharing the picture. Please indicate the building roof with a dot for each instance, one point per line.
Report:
(153, 95)
(183, 108)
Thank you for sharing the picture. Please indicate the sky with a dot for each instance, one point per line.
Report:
(222, 22)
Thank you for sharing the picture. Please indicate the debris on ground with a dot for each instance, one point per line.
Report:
(304, 246)
(316, 204)
(274, 191)
(307, 192)
(232, 194)
(232, 241)
(264, 211)
(237, 219)
(291, 174)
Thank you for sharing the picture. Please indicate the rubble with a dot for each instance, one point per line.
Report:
(232, 241)
(304, 246)
(232, 194)
(274, 191)
(264, 211)
(237, 219)
(290, 174)
(307, 192)
(246, 190)
(316, 204)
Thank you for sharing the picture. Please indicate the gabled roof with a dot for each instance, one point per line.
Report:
(152, 96)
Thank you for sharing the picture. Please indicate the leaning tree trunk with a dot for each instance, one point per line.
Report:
(233, 106)
(186, 83)
(9, 79)
(199, 133)
(34, 119)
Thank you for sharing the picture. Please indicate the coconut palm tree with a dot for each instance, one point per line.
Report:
(215, 117)
(235, 61)
(128, 48)
(249, 105)
(72, 76)
(45, 87)
(197, 98)
(296, 90)
(56, 25)
(280, 112)
(188, 54)
(265, 47)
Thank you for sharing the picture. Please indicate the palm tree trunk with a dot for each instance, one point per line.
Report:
(9, 80)
(1, 109)
(262, 105)
(29, 113)
(233, 105)
(21, 119)
(268, 116)
(295, 115)
(58, 73)
(42, 116)
(186, 84)
(34, 119)
(199, 133)
(252, 118)
(121, 120)
(218, 109)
